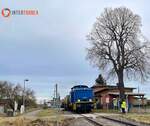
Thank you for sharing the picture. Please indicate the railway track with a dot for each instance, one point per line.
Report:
(105, 120)
(119, 121)
(95, 123)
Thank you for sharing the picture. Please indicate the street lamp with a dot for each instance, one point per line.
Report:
(24, 93)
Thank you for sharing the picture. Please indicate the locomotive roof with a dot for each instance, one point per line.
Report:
(79, 86)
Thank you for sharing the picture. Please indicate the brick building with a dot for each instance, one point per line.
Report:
(107, 96)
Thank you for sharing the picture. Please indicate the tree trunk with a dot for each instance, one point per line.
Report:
(121, 84)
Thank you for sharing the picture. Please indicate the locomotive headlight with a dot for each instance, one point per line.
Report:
(78, 100)
(90, 100)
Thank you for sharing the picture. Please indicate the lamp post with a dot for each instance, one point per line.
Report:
(24, 93)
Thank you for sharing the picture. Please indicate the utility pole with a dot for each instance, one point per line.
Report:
(54, 98)
(23, 100)
(56, 95)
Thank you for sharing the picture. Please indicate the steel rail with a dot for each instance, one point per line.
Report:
(95, 123)
(119, 121)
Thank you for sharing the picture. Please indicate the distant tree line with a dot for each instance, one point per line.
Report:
(10, 92)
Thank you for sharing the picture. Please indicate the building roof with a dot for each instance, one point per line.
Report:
(109, 86)
(79, 86)
(127, 93)
(100, 88)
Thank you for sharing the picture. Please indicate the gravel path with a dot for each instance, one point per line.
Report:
(32, 114)
(80, 122)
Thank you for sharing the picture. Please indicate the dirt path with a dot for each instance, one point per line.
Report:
(32, 114)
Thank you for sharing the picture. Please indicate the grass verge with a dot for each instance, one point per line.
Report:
(142, 118)
(106, 111)
(49, 112)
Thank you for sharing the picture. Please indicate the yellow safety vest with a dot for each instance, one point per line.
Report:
(123, 105)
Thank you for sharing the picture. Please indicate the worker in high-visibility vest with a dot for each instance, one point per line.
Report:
(123, 106)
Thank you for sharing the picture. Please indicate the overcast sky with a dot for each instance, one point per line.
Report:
(53, 43)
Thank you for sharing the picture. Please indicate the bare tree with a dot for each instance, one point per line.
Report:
(118, 46)
(12, 93)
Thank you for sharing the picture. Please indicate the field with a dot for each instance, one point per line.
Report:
(144, 118)
(56, 117)
(134, 115)
(20, 121)
(49, 112)
(46, 117)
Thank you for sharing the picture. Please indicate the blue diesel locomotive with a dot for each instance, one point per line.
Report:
(80, 99)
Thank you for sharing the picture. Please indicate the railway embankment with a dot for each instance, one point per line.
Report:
(58, 117)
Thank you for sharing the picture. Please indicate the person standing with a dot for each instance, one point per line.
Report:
(115, 103)
(123, 106)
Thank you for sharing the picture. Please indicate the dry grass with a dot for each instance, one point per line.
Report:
(143, 118)
(47, 117)
(49, 112)
(13, 121)
(105, 111)
(21, 121)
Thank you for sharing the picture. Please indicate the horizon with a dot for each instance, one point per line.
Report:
(43, 86)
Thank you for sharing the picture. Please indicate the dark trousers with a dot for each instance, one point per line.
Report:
(123, 110)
